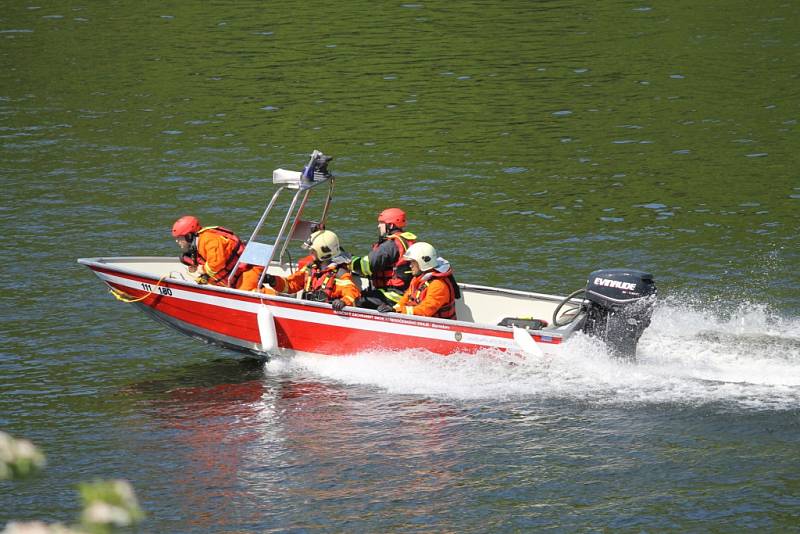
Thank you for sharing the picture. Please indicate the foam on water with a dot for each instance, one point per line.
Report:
(745, 357)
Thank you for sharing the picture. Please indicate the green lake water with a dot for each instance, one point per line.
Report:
(530, 142)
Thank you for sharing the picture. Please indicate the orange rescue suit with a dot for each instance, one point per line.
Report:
(430, 295)
(217, 252)
(334, 280)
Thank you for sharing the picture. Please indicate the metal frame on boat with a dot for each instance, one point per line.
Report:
(489, 318)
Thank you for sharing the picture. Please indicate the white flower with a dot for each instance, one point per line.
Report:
(6, 448)
(37, 527)
(18, 455)
(101, 513)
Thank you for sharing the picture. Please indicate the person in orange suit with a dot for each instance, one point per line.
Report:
(326, 279)
(212, 252)
(433, 290)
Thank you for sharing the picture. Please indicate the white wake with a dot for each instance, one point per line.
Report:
(745, 357)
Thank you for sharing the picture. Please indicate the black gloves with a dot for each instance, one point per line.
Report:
(338, 305)
(202, 279)
(385, 308)
(269, 279)
(316, 296)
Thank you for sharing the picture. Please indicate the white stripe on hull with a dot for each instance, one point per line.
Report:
(384, 324)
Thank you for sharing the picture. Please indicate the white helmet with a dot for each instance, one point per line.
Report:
(424, 254)
(324, 243)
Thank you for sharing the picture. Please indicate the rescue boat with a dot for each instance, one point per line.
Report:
(615, 305)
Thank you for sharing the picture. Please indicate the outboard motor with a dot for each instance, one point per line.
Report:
(619, 304)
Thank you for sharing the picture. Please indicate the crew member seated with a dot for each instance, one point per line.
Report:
(213, 251)
(327, 278)
(433, 290)
(388, 273)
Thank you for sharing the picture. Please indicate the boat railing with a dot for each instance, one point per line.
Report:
(293, 227)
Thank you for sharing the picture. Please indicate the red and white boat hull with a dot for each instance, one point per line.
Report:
(230, 318)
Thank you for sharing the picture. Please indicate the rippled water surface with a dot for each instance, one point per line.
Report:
(531, 142)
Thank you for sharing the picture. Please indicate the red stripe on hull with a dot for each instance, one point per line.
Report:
(327, 339)
(223, 320)
(296, 334)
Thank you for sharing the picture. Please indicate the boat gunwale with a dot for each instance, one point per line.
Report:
(112, 264)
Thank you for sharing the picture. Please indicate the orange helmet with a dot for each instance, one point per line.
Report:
(187, 224)
(394, 216)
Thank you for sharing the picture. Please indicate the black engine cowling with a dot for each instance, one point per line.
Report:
(619, 304)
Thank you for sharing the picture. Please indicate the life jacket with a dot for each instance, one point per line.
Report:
(448, 311)
(221, 278)
(305, 260)
(398, 276)
(320, 281)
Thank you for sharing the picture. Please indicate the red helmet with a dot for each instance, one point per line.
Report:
(185, 225)
(394, 216)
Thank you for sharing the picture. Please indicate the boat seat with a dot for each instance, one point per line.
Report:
(528, 323)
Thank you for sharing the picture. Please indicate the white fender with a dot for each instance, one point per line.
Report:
(526, 343)
(266, 329)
